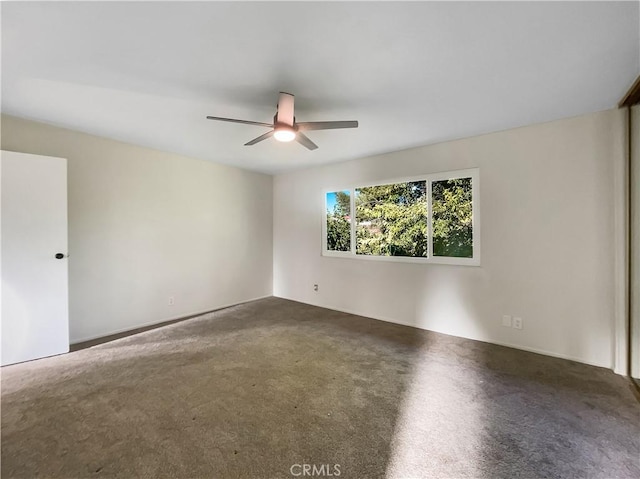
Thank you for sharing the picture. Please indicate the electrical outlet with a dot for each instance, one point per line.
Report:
(172, 300)
(517, 323)
(506, 321)
(315, 287)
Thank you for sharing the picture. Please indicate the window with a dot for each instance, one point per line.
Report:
(391, 220)
(338, 224)
(452, 218)
(431, 219)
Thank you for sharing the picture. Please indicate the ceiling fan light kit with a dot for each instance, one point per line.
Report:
(285, 128)
(284, 134)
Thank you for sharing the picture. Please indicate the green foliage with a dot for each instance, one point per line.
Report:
(452, 218)
(343, 203)
(392, 220)
(338, 233)
(338, 226)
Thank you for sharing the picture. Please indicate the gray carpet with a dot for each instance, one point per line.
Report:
(256, 389)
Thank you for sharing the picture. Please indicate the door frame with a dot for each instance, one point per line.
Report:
(623, 298)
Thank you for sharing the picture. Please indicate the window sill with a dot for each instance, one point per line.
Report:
(405, 259)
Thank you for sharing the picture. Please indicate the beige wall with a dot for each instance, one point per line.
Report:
(548, 207)
(145, 225)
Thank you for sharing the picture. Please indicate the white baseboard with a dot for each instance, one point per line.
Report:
(160, 321)
(348, 311)
(483, 340)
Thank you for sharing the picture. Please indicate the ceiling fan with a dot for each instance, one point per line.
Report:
(285, 127)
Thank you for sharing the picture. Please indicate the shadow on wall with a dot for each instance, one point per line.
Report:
(273, 388)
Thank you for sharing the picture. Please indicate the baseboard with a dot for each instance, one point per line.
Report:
(123, 332)
(621, 369)
(483, 340)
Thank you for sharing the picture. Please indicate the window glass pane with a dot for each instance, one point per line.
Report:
(339, 221)
(452, 218)
(391, 220)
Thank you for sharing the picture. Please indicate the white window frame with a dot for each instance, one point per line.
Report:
(325, 251)
(473, 173)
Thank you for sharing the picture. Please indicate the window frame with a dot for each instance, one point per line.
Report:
(328, 252)
(473, 173)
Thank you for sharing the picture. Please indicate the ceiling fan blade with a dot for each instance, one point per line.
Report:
(244, 122)
(268, 134)
(325, 125)
(305, 141)
(285, 109)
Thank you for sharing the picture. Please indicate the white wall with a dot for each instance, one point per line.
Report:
(547, 198)
(145, 225)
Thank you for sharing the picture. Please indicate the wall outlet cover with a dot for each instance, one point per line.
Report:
(517, 323)
(506, 321)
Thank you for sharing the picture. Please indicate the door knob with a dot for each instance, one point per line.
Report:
(59, 256)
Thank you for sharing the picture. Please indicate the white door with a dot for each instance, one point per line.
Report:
(34, 295)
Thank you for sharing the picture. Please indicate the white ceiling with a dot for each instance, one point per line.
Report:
(411, 73)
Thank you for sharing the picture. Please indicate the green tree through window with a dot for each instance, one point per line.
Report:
(452, 218)
(434, 218)
(391, 220)
(338, 221)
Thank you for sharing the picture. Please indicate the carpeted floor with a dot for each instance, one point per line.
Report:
(272, 388)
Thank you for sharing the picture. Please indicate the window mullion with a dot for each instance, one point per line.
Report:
(429, 219)
(353, 220)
